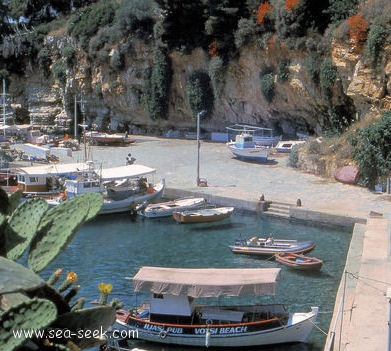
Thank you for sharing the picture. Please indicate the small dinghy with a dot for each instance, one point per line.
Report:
(299, 261)
(203, 215)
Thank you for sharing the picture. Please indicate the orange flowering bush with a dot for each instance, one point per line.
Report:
(358, 30)
(262, 10)
(291, 4)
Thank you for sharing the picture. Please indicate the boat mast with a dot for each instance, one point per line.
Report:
(4, 106)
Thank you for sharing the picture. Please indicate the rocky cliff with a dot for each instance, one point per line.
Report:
(298, 104)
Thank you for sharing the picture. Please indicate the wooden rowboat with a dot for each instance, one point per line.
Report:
(298, 261)
(202, 215)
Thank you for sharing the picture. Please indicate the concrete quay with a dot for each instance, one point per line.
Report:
(362, 325)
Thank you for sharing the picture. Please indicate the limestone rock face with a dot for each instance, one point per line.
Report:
(117, 96)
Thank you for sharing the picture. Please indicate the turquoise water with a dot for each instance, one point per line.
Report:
(110, 248)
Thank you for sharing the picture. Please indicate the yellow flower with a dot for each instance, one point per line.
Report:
(105, 288)
(71, 277)
(58, 271)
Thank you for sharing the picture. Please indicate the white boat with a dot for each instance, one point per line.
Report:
(203, 215)
(108, 139)
(166, 209)
(244, 147)
(287, 145)
(262, 136)
(122, 187)
(171, 316)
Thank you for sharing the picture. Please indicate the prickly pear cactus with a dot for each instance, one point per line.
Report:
(56, 230)
(28, 302)
(30, 315)
(22, 226)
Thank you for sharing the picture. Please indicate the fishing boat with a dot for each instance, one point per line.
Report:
(244, 147)
(166, 209)
(172, 316)
(299, 261)
(108, 139)
(262, 136)
(203, 215)
(270, 246)
(122, 187)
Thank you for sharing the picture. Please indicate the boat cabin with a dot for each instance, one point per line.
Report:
(244, 141)
(45, 179)
(173, 295)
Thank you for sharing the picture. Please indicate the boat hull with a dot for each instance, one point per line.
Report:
(128, 204)
(257, 153)
(166, 209)
(202, 216)
(299, 262)
(299, 247)
(269, 332)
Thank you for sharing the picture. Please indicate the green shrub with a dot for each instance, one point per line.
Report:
(216, 74)
(372, 150)
(327, 76)
(283, 70)
(375, 44)
(199, 93)
(85, 23)
(59, 71)
(311, 64)
(340, 118)
(44, 61)
(158, 85)
(293, 159)
(69, 54)
(245, 32)
(267, 86)
(117, 62)
(136, 17)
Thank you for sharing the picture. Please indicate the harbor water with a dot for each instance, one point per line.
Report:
(113, 247)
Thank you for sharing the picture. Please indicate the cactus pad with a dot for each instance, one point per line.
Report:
(15, 277)
(4, 201)
(96, 203)
(96, 318)
(29, 315)
(57, 228)
(14, 200)
(22, 226)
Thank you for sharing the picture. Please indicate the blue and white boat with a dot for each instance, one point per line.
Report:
(244, 147)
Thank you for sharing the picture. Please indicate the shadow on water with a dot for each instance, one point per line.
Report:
(150, 346)
(220, 226)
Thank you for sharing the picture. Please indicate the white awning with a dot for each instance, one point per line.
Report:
(130, 171)
(52, 169)
(207, 282)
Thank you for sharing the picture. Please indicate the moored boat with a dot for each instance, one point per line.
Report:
(172, 316)
(203, 215)
(122, 187)
(108, 139)
(270, 246)
(261, 136)
(166, 209)
(244, 147)
(299, 261)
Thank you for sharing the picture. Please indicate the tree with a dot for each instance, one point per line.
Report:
(372, 151)
(199, 93)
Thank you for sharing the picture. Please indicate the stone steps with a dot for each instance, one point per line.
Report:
(278, 209)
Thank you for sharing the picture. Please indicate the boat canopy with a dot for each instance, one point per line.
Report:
(129, 171)
(207, 282)
(52, 169)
